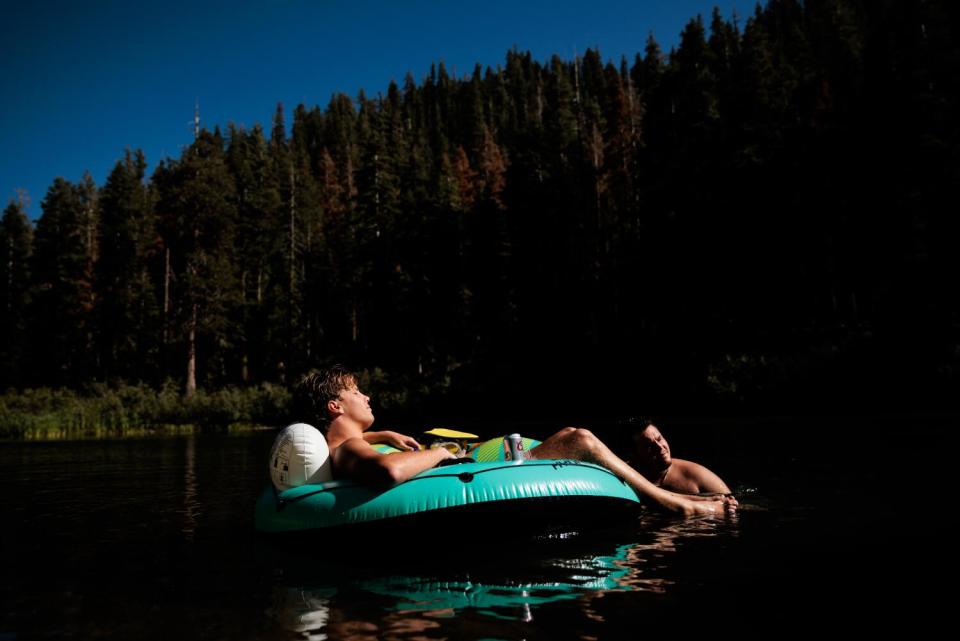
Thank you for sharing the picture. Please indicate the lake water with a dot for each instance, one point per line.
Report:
(845, 525)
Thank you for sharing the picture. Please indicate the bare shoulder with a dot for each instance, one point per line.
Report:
(698, 477)
(352, 448)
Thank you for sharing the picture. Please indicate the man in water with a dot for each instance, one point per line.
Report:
(332, 399)
(655, 461)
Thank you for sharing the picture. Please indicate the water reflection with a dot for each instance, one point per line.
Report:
(304, 611)
(319, 600)
(95, 548)
(646, 558)
(191, 505)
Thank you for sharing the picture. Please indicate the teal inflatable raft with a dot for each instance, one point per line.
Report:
(539, 496)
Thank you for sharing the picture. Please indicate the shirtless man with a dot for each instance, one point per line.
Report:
(334, 400)
(674, 474)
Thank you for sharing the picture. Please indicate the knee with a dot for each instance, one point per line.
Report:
(582, 437)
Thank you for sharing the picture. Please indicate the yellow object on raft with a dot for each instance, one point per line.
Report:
(445, 433)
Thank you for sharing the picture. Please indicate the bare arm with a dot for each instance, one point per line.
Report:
(581, 444)
(355, 459)
(393, 439)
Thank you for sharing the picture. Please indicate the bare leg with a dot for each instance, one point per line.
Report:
(581, 445)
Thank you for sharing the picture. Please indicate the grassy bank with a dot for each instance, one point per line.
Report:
(103, 410)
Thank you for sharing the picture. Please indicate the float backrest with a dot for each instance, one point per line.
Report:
(300, 456)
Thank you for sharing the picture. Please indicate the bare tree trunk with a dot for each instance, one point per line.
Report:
(291, 297)
(166, 299)
(8, 303)
(191, 385)
(245, 358)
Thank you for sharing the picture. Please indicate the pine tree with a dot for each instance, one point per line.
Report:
(838, 44)
(647, 73)
(16, 244)
(623, 140)
(129, 316)
(261, 172)
(696, 102)
(724, 47)
(492, 171)
(197, 197)
(560, 121)
(758, 85)
(309, 267)
(62, 272)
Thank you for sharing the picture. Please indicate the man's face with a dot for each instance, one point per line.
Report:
(653, 448)
(355, 405)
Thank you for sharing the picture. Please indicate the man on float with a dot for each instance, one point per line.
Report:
(654, 459)
(333, 399)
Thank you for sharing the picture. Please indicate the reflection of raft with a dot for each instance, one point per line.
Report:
(310, 588)
(538, 496)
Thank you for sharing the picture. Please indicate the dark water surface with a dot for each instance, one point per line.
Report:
(844, 526)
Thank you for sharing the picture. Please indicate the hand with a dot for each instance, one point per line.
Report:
(717, 506)
(402, 442)
(728, 499)
(448, 453)
(450, 446)
(706, 504)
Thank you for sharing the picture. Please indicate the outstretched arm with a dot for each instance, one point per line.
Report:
(581, 444)
(355, 459)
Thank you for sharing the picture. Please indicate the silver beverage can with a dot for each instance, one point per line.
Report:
(513, 448)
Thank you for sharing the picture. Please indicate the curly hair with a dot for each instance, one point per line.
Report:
(316, 389)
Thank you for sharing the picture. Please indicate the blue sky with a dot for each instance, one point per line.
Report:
(84, 80)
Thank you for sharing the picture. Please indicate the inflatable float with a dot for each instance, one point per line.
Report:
(472, 494)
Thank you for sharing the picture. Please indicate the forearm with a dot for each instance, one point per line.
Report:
(404, 465)
(355, 459)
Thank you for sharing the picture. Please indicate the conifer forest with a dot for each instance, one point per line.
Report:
(759, 219)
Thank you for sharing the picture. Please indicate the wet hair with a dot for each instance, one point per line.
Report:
(316, 389)
(638, 423)
(632, 427)
(639, 453)
(622, 438)
(640, 426)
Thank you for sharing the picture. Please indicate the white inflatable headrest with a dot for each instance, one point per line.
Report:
(299, 456)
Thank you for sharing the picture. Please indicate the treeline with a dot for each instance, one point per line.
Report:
(134, 410)
(762, 215)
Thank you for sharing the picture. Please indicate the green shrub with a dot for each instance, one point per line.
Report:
(103, 410)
